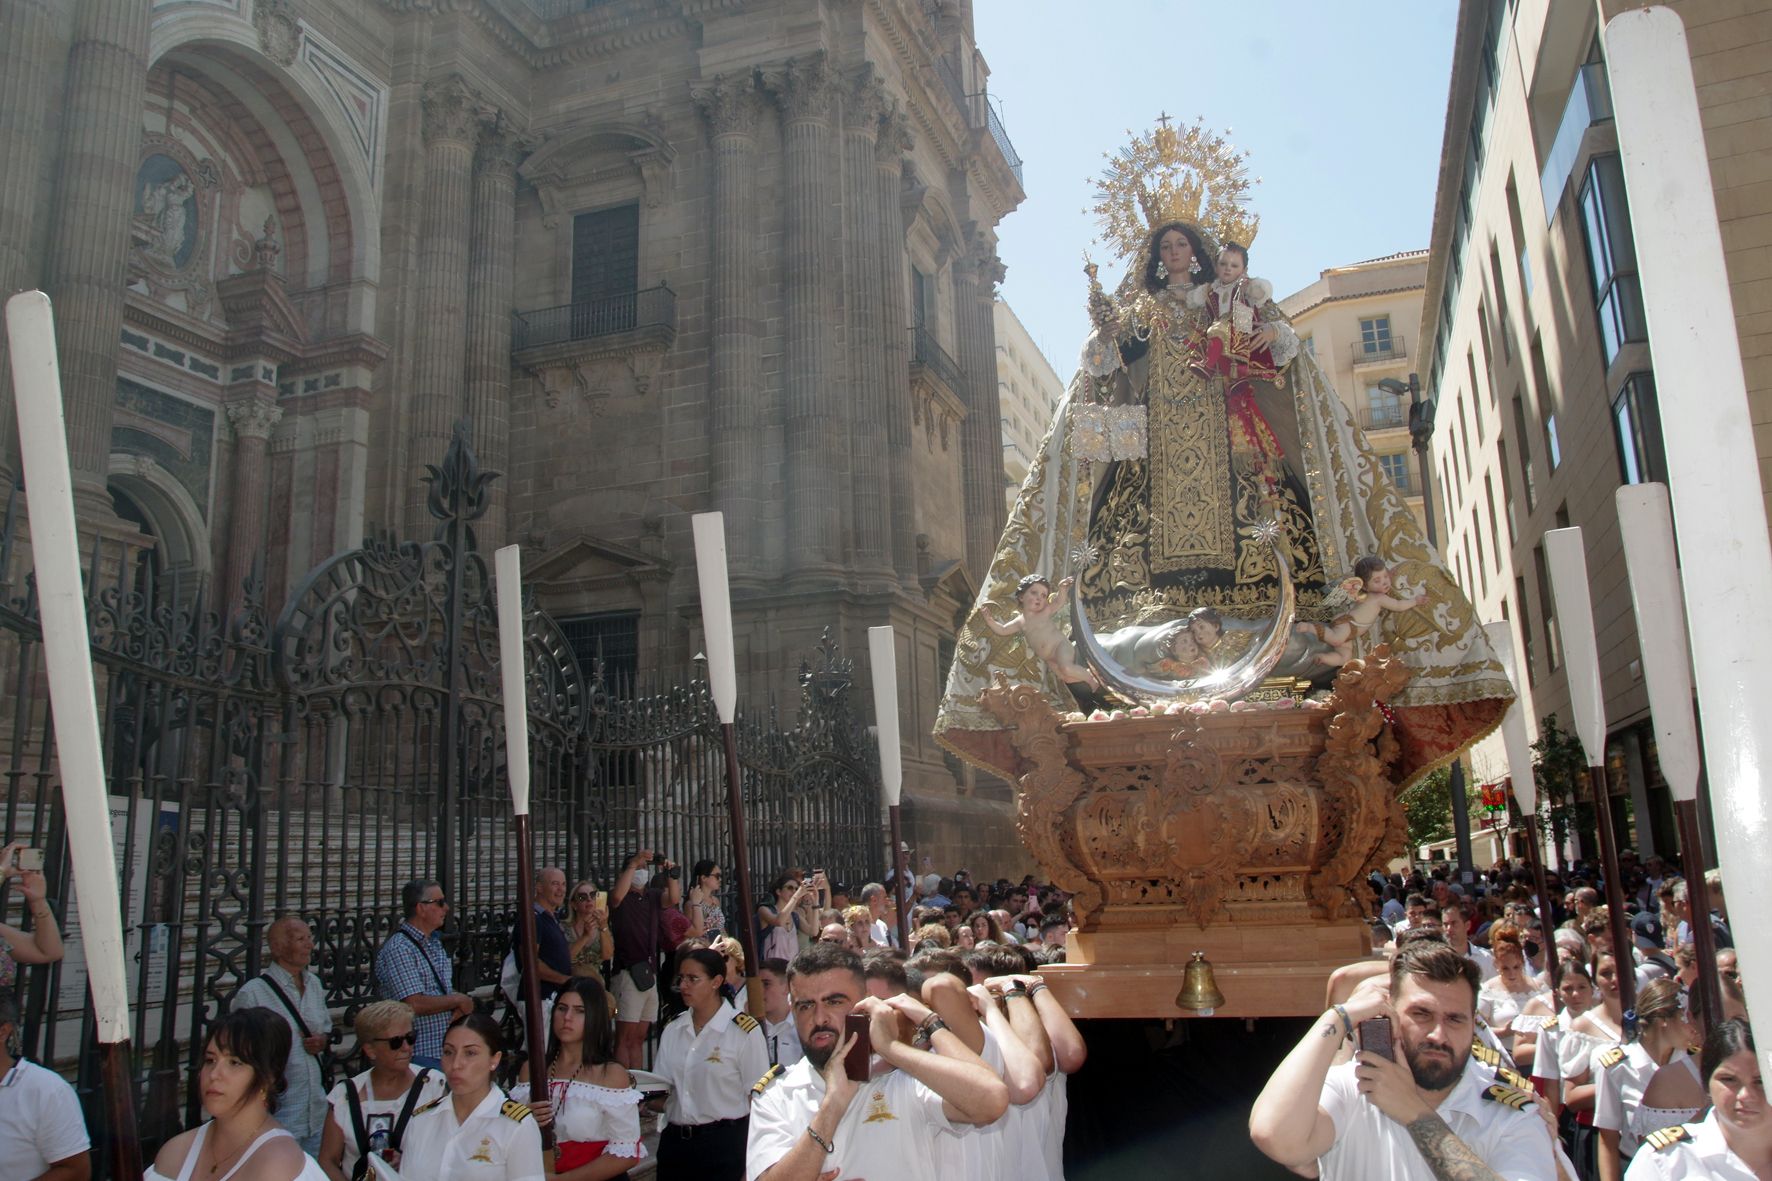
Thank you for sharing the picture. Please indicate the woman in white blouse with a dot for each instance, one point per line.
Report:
(474, 1133)
(1732, 1143)
(590, 1098)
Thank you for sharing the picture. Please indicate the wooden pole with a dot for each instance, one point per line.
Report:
(67, 651)
(1623, 946)
(900, 902)
(1535, 855)
(513, 669)
(1704, 940)
(1523, 784)
(716, 623)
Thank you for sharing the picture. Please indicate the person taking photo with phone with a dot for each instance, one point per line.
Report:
(1406, 1107)
(831, 1114)
(42, 944)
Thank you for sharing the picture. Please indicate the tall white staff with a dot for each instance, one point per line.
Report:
(1564, 553)
(716, 623)
(1709, 442)
(1519, 774)
(1645, 520)
(883, 656)
(512, 668)
(55, 548)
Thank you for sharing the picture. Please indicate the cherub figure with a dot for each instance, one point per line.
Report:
(1037, 623)
(1370, 589)
(1184, 658)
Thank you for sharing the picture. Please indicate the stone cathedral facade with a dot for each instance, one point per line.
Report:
(662, 256)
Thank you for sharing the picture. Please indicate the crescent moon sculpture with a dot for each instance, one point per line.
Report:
(1228, 683)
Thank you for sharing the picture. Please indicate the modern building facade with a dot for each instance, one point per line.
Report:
(1360, 322)
(1535, 345)
(660, 257)
(1028, 391)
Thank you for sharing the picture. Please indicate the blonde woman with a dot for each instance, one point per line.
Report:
(587, 931)
(369, 1113)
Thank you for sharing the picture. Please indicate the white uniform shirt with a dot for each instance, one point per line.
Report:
(1619, 1088)
(888, 1131)
(1057, 1100)
(711, 1073)
(494, 1143)
(1702, 1154)
(987, 1152)
(783, 1041)
(1481, 957)
(40, 1122)
(1371, 1146)
(379, 1115)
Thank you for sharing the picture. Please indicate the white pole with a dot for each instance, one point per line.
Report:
(1645, 520)
(55, 548)
(716, 611)
(1564, 553)
(883, 657)
(1708, 437)
(508, 567)
(1513, 723)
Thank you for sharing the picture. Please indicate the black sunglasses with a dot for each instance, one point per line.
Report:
(398, 1040)
(583, 897)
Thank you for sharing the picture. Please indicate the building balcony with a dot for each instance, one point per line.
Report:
(1391, 350)
(1590, 102)
(1385, 417)
(649, 314)
(929, 359)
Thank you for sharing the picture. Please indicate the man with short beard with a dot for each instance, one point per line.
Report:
(1421, 1118)
(812, 1121)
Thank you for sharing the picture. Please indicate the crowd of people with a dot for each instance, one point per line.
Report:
(1454, 1052)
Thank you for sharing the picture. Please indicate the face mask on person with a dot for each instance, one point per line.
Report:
(641, 877)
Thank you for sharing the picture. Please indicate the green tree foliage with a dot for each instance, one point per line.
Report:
(1428, 807)
(1559, 767)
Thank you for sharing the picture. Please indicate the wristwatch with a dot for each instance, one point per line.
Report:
(926, 1030)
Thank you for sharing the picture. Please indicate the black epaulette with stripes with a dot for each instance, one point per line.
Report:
(1667, 1137)
(513, 1110)
(762, 1084)
(1612, 1057)
(745, 1022)
(1486, 1054)
(1508, 1096)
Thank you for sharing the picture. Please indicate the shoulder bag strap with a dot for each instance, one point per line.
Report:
(412, 1094)
(359, 1130)
(288, 1004)
(425, 955)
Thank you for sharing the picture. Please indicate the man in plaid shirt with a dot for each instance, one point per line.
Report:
(413, 967)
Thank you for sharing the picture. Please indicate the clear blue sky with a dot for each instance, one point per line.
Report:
(1340, 103)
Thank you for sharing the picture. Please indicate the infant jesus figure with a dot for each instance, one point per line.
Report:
(1037, 623)
(1239, 345)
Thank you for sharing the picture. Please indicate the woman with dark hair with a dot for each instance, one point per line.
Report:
(474, 1133)
(1167, 264)
(985, 927)
(591, 1100)
(711, 1055)
(1733, 1142)
(240, 1081)
(1657, 1032)
(706, 918)
(786, 921)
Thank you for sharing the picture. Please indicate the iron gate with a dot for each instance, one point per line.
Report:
(313, 766)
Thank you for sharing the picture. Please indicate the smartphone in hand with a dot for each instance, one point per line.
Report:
(855, 1063)
(29, 860)
(1374, 1035)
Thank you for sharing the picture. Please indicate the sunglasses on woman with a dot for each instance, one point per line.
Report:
(398, 1040)
(583, 897)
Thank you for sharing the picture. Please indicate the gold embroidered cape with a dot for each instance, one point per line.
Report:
(1458, 692)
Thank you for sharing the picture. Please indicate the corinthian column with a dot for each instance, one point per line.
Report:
(870, 482)
(891, 143)
(452, 117)
(490, 296)
(739, 418)
(27, 78)
(252, 420)
(815, 443)
(107, 80)
(981, 439)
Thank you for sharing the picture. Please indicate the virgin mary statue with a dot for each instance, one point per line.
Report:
(1200, 500)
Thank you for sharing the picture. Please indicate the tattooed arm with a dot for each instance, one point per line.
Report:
(1289, 1122)
(1449, 1157)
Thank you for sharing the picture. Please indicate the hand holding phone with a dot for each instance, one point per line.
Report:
(1374, 1036)
(855, 1062)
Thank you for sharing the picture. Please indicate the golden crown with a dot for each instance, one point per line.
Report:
(1189, 174)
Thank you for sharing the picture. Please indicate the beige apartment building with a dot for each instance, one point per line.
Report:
(1534, 338)
(1360, 322)
(1028, 391)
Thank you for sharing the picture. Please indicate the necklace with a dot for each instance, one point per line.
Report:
(565, 1086)
(216, 1166)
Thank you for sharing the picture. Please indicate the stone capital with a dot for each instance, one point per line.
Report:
(730, 103)
(501, 147)
(805, 88)
(253, 419)
(453, 111)
(864, 102)
(894, 138)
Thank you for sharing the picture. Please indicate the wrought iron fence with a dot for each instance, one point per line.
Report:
(313, 766)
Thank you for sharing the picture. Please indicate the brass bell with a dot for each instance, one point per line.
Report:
(1199, 991)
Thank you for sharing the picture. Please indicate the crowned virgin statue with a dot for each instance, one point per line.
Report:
(1208, 502)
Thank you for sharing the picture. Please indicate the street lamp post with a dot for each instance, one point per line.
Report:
(1421, 434)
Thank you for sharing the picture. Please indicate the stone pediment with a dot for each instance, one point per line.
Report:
(950, 579)
(586, 563)
(256, 305)
(582, 156)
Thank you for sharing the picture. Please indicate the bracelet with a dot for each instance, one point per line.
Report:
(821, 1142)
(926, 1031)
(1020, 990)
(1346, 1024)
(1038, 987)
